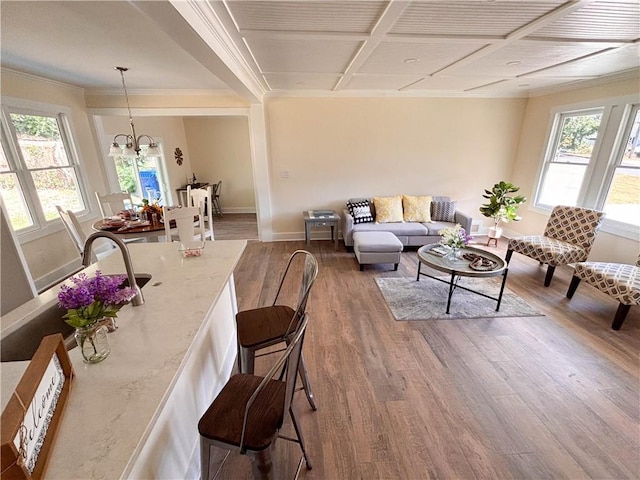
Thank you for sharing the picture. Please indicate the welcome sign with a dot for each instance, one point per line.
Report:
(31, 418)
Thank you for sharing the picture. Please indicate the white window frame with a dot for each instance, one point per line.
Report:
(41, 227)
(617, 116)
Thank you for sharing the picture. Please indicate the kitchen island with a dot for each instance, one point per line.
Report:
(135, 414)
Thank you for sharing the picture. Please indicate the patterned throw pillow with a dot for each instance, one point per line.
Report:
(443, 211)
(360, 211)
(416, 209)
(388, 209)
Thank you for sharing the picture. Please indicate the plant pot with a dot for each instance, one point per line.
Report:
(495, 232)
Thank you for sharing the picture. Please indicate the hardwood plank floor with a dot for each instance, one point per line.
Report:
(553, 396)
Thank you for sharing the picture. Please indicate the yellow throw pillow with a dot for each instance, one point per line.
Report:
(388, 209)
(416, 209)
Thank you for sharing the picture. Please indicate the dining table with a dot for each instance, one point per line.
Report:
(148, 229)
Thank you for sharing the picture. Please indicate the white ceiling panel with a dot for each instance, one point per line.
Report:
(615, 20)
(301, 81)
(381, 82)
(517, 86)
(470, 18)
(614, 60)
(343, 16)
(425, 58)
(530, 58)
(322, 45)
(274, 55)
(451, 83)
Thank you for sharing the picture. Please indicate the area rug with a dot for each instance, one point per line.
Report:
(427, 299)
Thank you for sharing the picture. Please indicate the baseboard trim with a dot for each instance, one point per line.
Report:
(232, 210)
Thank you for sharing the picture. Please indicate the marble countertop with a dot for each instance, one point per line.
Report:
(113, 404)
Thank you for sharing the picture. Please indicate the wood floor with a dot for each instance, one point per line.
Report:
(548, 397)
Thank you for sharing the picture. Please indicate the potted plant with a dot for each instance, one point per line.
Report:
(502, 206)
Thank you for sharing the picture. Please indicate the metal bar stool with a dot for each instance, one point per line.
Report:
(263, 327)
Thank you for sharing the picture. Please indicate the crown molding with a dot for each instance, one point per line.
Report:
(388, 94)
(165, 91)
(30, 76)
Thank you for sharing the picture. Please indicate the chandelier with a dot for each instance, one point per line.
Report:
(132, 147)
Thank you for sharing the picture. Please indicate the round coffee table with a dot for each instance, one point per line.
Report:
(459, 267)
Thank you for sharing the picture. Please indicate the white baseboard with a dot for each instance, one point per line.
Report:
(232, 210)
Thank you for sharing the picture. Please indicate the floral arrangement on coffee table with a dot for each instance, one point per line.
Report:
(454, 237)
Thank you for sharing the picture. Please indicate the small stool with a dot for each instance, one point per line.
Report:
(377, 247)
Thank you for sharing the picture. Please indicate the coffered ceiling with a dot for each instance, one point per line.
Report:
(358, 47)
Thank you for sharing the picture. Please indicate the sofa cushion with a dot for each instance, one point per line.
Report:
(398, 229)
(416, 209)
(360, 211)
(443, 211)
(435, 227)
(388, 209)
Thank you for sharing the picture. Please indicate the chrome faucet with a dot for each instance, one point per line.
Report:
(138, 299)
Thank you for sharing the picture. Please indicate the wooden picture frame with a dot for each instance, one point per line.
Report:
(30, 420)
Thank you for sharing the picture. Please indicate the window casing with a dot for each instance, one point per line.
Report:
(592, 159)
(38, 167)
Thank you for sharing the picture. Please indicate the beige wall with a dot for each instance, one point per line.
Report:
(337, 148)
(166, 101)
(220, 150)
(607, 247)
(170, 130)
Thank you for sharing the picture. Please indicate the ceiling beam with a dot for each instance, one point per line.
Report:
(394, 9)
(206, 41)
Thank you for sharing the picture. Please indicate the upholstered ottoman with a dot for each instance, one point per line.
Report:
(377, 247)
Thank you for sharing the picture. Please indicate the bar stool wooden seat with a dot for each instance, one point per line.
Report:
(250, 410)
(263, 327)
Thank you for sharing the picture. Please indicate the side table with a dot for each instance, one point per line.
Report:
(321, 218)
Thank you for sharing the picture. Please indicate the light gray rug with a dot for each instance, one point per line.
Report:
(427, 299)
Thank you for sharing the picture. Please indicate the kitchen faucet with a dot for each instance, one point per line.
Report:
(138, 299)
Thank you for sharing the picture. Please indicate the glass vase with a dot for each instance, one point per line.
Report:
(93, 342)
(455, 253)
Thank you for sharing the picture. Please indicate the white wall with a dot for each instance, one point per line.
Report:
(336, 148)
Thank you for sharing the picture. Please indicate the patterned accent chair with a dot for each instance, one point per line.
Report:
(567, 238)
(618, 280)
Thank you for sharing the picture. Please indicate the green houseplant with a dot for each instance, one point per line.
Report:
(502, 206)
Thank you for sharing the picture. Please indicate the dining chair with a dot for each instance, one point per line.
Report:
(188, 225)
(113, 203)
(567, 238)
(73, 228)
(216, 199)
(264, 327)
(249, 412)
(620, 281)
(203, 198)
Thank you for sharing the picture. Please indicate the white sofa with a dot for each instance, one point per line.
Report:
(409, 233)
